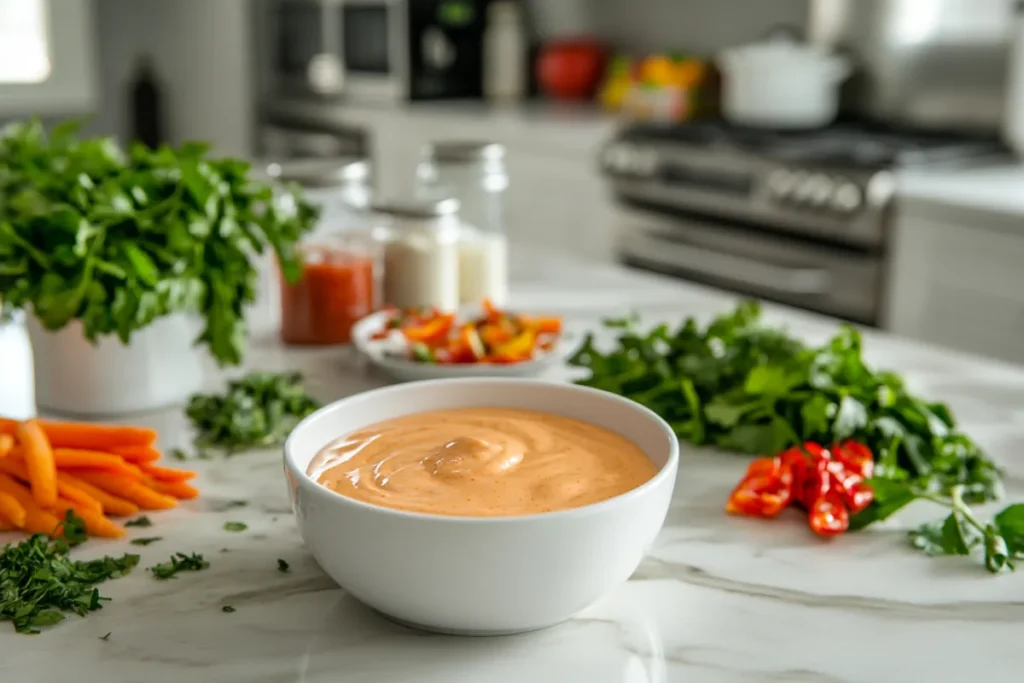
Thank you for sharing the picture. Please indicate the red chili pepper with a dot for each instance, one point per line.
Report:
(857, 457)
(759, 495)
(828, 515)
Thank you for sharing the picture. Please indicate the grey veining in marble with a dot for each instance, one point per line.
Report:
(719, 600)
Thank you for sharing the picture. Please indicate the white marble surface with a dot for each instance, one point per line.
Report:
(720, 599)
(997, 189)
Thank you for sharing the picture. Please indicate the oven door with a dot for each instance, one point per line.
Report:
(826, 279)
(374, 47)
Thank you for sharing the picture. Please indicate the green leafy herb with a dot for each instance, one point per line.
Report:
(1000, 541)
(227, 608)
(179, 454)
(282, 566)
(179, 562)
(72, 527)
(741, 386)
(147, 540)
(139, 521)
(235, 526)
(119, 238)
(256, 411)
(39, 583)
(107, 636)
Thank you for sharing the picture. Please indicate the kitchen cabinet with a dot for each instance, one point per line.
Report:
(955, 276)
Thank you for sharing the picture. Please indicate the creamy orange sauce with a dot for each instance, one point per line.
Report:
(486, 462)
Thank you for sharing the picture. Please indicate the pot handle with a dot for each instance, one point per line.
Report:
(787, 32)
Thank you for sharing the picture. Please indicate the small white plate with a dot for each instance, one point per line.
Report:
(402, 369)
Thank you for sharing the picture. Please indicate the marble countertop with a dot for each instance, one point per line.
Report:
(720, 599)
(997, 189)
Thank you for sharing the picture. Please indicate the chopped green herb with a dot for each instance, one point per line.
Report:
(256, 411)
(39, 583)
(73, 529)
(227, 608)
(146, 541)
(139, 521)
(179, 454)
(179, 562)
(106, 637)
(236, 504)
(117, 238)
(235, 526)
(282, 566)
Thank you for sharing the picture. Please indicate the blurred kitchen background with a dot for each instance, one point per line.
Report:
(857, 158)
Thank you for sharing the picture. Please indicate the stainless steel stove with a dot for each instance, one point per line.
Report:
(801, 218)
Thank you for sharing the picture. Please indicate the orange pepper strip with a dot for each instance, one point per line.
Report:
(433, 332)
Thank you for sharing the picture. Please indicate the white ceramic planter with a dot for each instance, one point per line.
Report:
(17, 396)
(158, 368)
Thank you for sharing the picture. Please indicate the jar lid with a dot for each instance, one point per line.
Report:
(327, 172)
(464, 151)
(416, 207)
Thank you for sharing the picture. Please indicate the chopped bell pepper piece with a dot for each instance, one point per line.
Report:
(432, 332)
(521, 346)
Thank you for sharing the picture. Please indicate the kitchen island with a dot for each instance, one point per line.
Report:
(719, 599)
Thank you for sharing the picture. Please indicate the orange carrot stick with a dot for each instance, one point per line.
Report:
(87, 435)
(137, 454)
(125, 487)
(37, 520)
(177, 489)
(166, 473)
(16, 467)
(11, 509)
(74, 457)
(7, 525)
(6, 444)
(112, 505)
(42, 470)
(95, 523)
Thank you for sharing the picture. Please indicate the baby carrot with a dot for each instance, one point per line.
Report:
(6, 524)
(95, 523)
(136, 454)
(42, 470)
(112, 505)
(37, 520)
(16, 467)
(75, 457)
(11, 509)
(178, 489)
(125, 487)
(166, 473)
(6, 444)
(86, 435)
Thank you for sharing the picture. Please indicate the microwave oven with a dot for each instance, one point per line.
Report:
(378, 50)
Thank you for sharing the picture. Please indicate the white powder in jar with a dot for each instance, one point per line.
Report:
(421, 271)
(483, 267)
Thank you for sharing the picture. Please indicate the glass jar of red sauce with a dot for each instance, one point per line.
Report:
(339, 285)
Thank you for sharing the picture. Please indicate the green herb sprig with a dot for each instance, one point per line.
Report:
(40, 584)
(179, 562)
(117, 239)
(257, 411)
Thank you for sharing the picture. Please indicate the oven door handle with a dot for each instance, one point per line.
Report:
(685, 254)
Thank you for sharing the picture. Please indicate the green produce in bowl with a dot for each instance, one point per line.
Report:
(117, 238)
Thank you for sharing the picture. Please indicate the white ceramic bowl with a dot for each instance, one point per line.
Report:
(403, 369)
(471, 575)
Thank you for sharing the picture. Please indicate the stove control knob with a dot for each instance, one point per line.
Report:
(820, 189)
(781, 183)
(847, 197)
(616, 157)
(644, 162)
(808, 188)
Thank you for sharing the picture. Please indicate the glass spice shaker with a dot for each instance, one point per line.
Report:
(475, 174)
(420, 244)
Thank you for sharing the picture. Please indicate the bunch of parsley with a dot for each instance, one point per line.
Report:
(116, 239)
(743, 387)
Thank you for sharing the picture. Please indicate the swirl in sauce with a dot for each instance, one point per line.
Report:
(482, 462)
